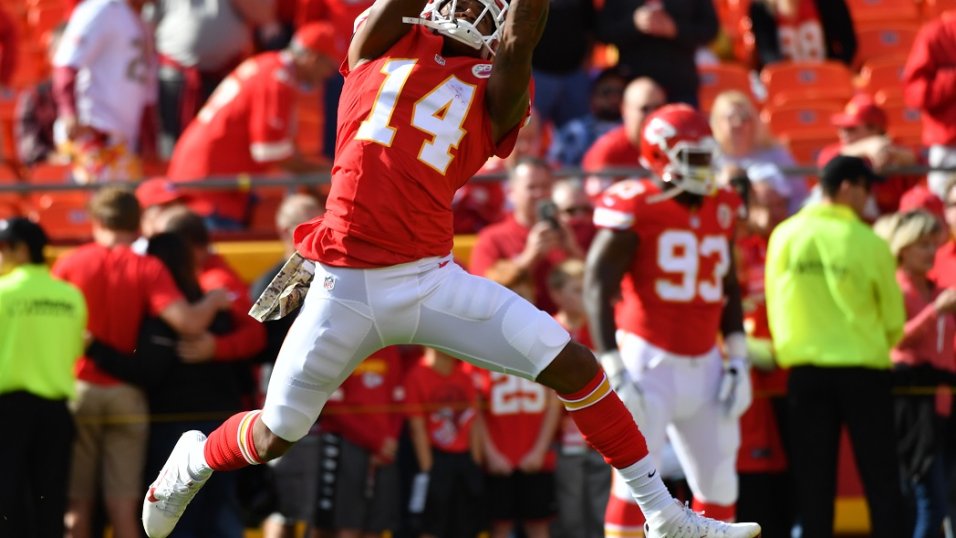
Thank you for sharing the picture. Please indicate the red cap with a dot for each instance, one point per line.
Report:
(920, 197)
(158, 191)
(317, 37)
(860, 110)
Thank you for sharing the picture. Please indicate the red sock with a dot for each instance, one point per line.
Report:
(720, 512)
(605, 423)
(230, 447)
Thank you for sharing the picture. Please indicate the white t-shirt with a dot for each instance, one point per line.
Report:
(109, 45)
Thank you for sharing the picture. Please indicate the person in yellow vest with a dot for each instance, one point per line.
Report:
(42, 327)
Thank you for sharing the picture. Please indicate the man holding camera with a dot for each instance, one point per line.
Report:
(531, 235)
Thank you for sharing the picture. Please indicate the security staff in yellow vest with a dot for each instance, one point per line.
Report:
(835, 310)
(42, 326)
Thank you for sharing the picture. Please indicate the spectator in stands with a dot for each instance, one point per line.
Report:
(944, 268)
(247, 126)
(802, 31)
(835, 311)
(744, 140)
(575, 210)
(862, 130)
(186, 395)
(36, 113)
(296, 472)
(104, 83)
(531, 235)
(659, 39)
(199, 43)
(582, 478)
(480, 203)
(155, 195)
(42, 323)
(359, 496)
(621, 147)
(572, 140)
(121, 288)
(448, 492)
(762, 461)
(560, 62)
(924, 359)
(929, 81)
(520, 419)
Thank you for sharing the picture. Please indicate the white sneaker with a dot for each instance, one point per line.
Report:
(690, 524)
(168, 496)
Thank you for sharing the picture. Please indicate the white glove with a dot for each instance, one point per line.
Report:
(735, 393)
(416, 503)
(625, 387)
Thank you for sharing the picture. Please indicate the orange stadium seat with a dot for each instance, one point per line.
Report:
(805, 120)
(45, 17)
(795, 82)
(64, 215)
(864, 12)
(48, 173)
(933, 8)
(882, 73)
(805, 150)
(718, 78)
(880, 42)
(903, 122)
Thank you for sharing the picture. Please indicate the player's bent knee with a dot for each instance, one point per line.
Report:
(570, 370)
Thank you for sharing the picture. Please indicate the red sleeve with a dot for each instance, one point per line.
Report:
(64, 90)
(485, 253)
(248, 336)
(927, 83)
(917, 325)
(162, 288)
(270, 123)
(8, 41)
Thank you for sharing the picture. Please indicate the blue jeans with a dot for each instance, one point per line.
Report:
(561, 98)
(929, 497)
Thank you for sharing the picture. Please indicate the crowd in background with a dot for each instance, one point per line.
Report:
(227, 87)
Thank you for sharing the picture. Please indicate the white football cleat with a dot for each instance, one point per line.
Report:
(172, 490)
(690, 524)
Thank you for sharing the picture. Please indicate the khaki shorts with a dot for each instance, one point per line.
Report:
(112, 426)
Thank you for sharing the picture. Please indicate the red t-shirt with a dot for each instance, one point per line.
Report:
(944, 268)
(413, 128)
(447, 403)
(612, 150)
(248, 336)
(246, 126)
(505, 240)
(121, 288)
(673, 294)
(514, 415)
(364, 408)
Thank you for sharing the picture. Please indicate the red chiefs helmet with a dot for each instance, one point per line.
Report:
(677, 145)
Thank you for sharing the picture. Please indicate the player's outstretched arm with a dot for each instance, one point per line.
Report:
(608, 259)
(507, 95)
(379, 27)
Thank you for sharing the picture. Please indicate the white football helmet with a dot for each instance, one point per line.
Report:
(460, 29)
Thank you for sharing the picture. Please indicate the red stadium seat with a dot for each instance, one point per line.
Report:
(903, 122)
(805, 150)
(805, 120)
(933, 8)
(48, 173)
(864, 12)
(798, 82)
(718, 78)
(880, 42)
(882, 73)
(64, 215)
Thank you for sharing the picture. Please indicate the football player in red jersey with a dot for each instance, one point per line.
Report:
(665, 245)
(431, 91)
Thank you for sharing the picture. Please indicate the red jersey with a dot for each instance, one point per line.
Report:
(121, 288)
(673, 294)
(612, 150)
(801, 35)
(928, 83)
(944, 268)
(248, 336)
(363, 409)
(447, 403)
(413, 128)
(514, 415)
(245, 127)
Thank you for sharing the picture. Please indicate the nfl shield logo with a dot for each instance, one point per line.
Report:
(329, 282)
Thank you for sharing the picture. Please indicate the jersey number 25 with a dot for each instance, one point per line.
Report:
(440, 114)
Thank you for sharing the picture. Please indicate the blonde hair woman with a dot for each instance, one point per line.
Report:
(744, 140)
(923, 359)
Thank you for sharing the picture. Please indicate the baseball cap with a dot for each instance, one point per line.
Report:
(21, 230)
(844, 167)
(158, 191)
(920, 197)
(860, 110)
(317, 37)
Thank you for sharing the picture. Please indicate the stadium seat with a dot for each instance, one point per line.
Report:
(797, 82)
(933, 8)
(806, 120)
(903, 122)
(806, 149)
(49, 173)
(864, 12)
(10, 206)
(882, 73)
(718, 78)
(880, 42)
(64, 215)
(43, 18)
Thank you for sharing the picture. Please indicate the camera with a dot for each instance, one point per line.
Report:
(548, 212)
